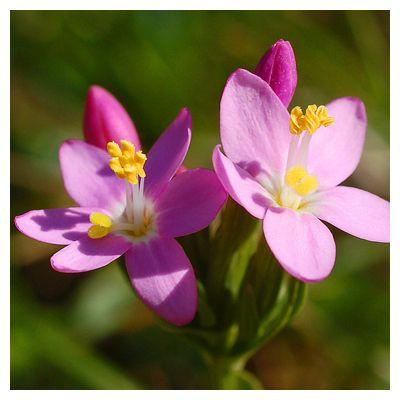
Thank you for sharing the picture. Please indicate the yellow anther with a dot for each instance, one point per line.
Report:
(113, 149)
(324, 118)
(314, 118)
(301, 181)
(100, 219)
(126, 162)
(296, 121)
(101, 227)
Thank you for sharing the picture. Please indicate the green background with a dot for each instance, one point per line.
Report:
(88, 331)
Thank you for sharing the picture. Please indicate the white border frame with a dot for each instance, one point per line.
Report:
(393, 6)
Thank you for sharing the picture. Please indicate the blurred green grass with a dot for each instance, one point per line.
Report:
(89, 331)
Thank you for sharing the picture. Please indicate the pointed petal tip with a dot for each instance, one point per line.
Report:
(360, 111)
(185, 115)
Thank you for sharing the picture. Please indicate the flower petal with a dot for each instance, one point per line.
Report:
(190, 202)
(303, 245)
(57, 225)
(355, 211)
(87, 254)
(164, 279)
(87, 177)
(106, 120)
(278, 68)
(336, 150)
(240, 185)
(168, 153)
(254, 124)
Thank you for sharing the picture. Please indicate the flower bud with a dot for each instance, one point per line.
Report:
(278, 68)
(105, 120)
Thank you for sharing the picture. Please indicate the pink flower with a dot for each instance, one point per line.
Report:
(285, 169)
(121, 212)
(278, 68)
(106, 120)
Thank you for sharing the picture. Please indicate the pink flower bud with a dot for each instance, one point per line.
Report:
(106, 120)
(278, 68)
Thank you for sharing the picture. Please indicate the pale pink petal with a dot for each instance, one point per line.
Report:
(302, 244)
(189, 203)
(57, 225)
(240, 185)
(254, 124)
(164, 279)
(87, 177)
(278, 68)
(106, 120)
(336, 150)
(87, 254)
(168, 153)
(355, 211)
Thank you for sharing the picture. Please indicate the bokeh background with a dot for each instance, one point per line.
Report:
(88, 331)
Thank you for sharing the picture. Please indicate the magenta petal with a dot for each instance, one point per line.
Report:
(278, 68)
(189, 203)
(56, 226)
(240, 185)
(335, 151)
(355, 211)
(106, 120)
(302, 244)
(87, 177)
(87, 254)
(168, 153)
(164, 279)
(254, 124)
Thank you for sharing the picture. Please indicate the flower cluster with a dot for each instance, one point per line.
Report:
(284, 168)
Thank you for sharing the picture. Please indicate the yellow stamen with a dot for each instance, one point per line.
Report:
(301, 181)
(100, 219)
(101, 225)
(314, 118)
(296, 121)
(113, 149)
(126, 162)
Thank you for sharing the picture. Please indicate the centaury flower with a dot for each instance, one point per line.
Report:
(129, 203)
(285, 169)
